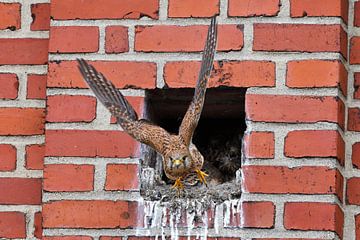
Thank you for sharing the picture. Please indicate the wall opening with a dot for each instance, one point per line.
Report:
(218, 137)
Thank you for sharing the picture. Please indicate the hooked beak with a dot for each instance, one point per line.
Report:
(177, 162)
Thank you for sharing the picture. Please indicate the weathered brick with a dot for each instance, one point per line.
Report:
(80, 214)
(60, 178)
(96, 9)
(74, 143)
(71, 108)
(357, 14)
(357, 226)
(284, 180)
(116, 238)
(319, 8)
(10, 16)
(40, 13)
(22, 121)
(123, 74)
(121, 177)
(259, 145)
(138, 105)
(116, 39)
(35, 157)
(74, 39)
(36, 86)
(193, 8)
(68, 238)
(313, 216)
(32, 51)
(9, 86)
(165, 38)
(352, 191)
(38, 225)
(354, 119)
(7, 157)
(299, 38)
(292, 109)
(316, 73)
(227, 73)
(20, 191)
(253, 8)
(357, 85)
(355, 50)
(356, 155)
(315, 143)
(252, 215)
(12, 225)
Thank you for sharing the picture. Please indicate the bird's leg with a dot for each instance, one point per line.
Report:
(201, 175)
(178, 185)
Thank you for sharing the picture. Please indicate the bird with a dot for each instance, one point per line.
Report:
(180, 157)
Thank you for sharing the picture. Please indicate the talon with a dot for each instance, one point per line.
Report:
(201, 175)
(178, 185)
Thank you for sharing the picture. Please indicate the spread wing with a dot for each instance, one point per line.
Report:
(193, 113)
(143, 131)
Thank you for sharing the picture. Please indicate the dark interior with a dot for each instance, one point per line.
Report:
(219, 133)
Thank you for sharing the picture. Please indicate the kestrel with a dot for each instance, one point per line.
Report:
(181, 159)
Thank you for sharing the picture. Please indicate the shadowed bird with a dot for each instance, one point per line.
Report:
(181, 159)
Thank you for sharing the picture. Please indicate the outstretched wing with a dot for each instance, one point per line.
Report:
(193, 113)
(116, 103)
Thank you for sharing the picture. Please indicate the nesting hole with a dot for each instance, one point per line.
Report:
(218, 137)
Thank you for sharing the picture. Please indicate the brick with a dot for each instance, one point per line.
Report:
(357, 85)
(10, 16)
(319, 8)
(357, 226)
(357, 14)
(259, 145)
(90, 214)
(71, 108)
(9, 86)
(123, 74)
(354, 119)
(96, 9)
(60, 178)
(252, 215)
(68, 238)
(225, 73)
(121, 177)
(35, 156)
(74, 39)
(22, 121)
(36, 86)
(31, 51)
(38, 225)
(193, 8)
(20, 191)
(316, 73)
(313, 216)
(75, 143)
(165, 38)
(352, 191)
(7, 157)
(299, 38)
(284, 180)
(253, 8)
(356, 155)
(314, 143)
(138, 105)
(40, 14)
(355, 50)
(116, 39)
(292, 109)
(12, 225)
(117, 238)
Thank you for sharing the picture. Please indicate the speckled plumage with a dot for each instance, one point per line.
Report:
(181, 158)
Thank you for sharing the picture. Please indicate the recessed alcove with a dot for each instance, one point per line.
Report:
(218, 136)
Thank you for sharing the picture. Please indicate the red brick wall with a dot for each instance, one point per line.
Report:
(299, 60)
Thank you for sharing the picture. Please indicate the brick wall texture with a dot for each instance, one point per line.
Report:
(66, 172)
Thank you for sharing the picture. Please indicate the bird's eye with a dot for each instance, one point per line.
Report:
(184, 158)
